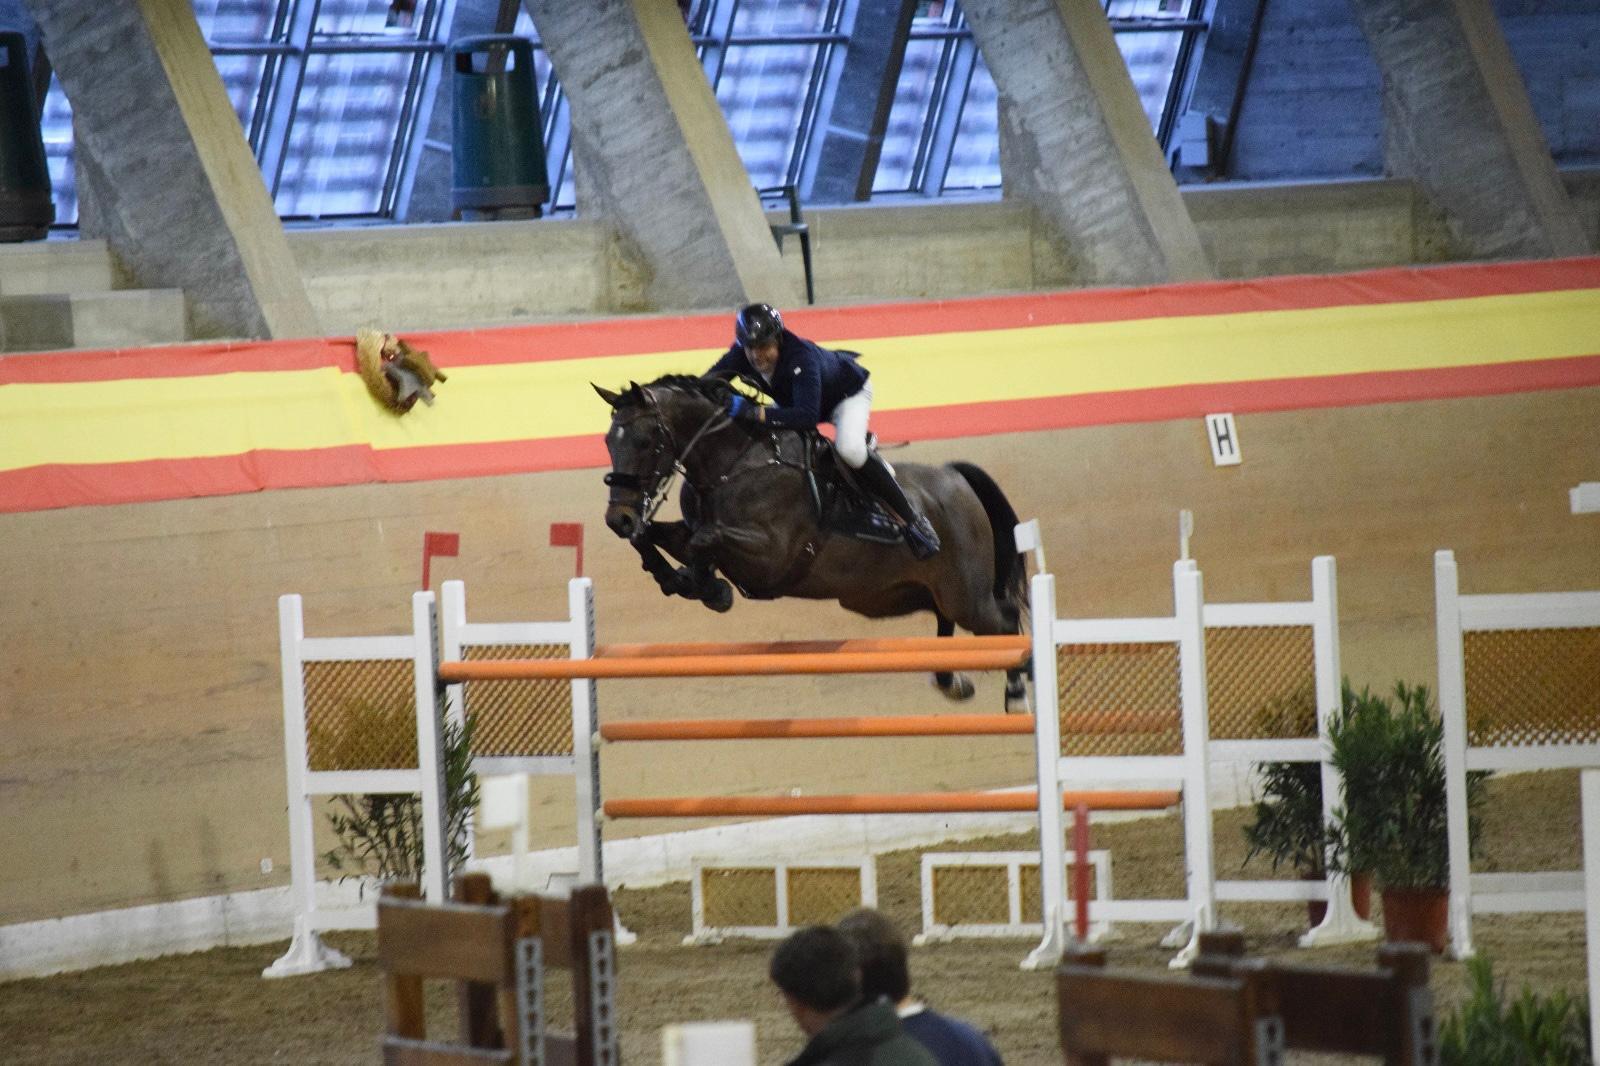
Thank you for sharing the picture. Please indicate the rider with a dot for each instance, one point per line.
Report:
(810, 384)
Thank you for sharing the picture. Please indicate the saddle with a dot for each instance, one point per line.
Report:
(840, 503)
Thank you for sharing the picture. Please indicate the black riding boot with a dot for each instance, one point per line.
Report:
(920, 537)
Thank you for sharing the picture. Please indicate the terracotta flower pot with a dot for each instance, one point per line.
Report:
(1360, 898)
(1419, 915)
(1361, 894)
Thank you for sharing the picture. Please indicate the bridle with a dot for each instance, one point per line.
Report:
(667, 461)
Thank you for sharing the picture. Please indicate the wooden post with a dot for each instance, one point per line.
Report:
(403, 1005)
(1415, 1035)
(479, 1019)
(1219, 951)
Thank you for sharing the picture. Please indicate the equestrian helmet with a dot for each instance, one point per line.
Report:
(757, 324)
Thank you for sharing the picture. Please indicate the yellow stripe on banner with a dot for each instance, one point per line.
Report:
(228, 414)
(167, 418)
(1069, 360)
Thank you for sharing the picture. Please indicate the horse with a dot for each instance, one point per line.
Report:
(752, 511)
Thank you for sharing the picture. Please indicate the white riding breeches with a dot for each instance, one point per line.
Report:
(850, 426)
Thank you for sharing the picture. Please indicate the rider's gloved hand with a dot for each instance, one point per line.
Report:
(739, 407)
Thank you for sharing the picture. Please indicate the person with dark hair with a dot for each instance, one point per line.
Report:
(819, 976)
(886, 974)
(810, 384)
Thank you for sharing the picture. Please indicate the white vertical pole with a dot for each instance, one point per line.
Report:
(1591, 894)
(1047, 763)
(302, 854)
(1453, 709)
(452, 627)
(307, 953)
(1189, 610)
(430, 749)
(586, 758)
(1340, 923)
(1029, 539)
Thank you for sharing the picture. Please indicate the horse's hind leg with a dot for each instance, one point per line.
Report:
(954, 686)
(990, 616)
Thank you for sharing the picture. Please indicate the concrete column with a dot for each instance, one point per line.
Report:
(177, 193)
(1078, 144)
(1459, 122)
(860, 95)
(657, 154)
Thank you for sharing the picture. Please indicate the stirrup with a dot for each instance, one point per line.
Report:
(921, 538)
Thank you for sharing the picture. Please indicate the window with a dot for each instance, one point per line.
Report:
(331, 94)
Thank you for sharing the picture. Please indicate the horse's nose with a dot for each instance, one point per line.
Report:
(622, 524)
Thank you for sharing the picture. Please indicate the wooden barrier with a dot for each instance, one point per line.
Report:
(1215, 1021)
(736, 665)
(1386, 1013)
(815, 647)
(904, 725)
(907, 725)
(875, 803)
(498, 952)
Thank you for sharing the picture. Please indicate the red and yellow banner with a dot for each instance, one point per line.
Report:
(144, 424)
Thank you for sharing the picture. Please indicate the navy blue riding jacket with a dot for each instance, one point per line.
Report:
(807, 384)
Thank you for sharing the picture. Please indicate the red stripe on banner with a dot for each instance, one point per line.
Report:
(39, 488)
(629, 336)
(46, 487)
(1394, 285)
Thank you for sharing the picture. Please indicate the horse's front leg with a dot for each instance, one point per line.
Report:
(672, 580)
(697, 579)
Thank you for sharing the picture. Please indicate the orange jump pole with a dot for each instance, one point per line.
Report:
(869, 803)
(860, 662)
(909, 725)
(794, 647)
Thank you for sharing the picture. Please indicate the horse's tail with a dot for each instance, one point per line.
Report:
(1010, 574)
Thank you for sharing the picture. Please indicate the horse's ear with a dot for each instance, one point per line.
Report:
(606, 394)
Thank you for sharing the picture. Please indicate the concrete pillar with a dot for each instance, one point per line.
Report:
(1460, 123)
(1077, 143)
(178, 195)
(657, 154)
(860, 94)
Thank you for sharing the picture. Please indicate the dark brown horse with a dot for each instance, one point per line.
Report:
(749, 512)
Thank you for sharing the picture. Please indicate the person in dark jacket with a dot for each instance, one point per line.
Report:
(886, 974)
(810, 384)
(817, 972)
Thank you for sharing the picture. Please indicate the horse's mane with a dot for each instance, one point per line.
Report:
(715, 389)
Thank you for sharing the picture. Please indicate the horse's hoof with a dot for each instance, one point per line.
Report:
(960, 688)
(718, 596)
(1017, 701)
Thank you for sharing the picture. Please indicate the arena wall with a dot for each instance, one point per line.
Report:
(143, 757)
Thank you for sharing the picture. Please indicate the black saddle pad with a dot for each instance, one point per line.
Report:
(846, 508)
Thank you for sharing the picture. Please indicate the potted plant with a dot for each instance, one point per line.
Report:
(1289, 827)
(1393, 820)
(380, 835)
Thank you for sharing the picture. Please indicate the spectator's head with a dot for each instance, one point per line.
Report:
(817, 972)
(882, 950)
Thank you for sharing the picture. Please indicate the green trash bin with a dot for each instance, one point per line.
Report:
(26, 209)
(498, 139)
